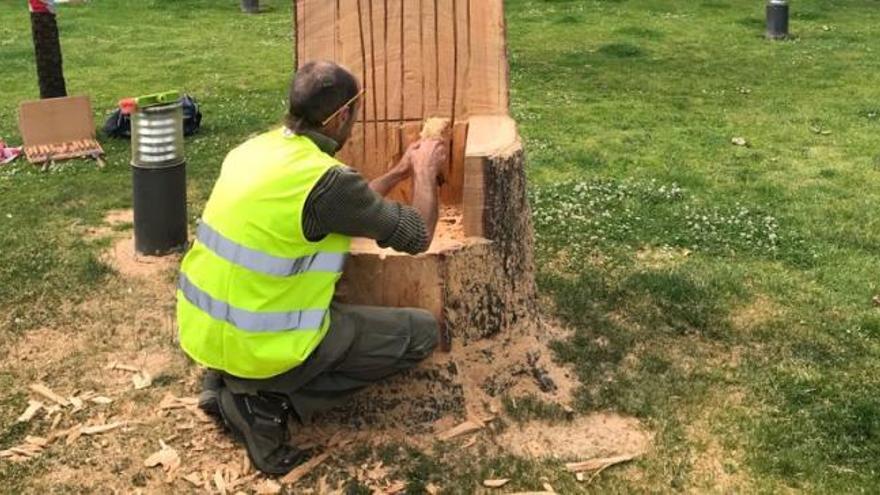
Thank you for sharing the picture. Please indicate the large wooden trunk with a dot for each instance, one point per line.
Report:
(435, 58)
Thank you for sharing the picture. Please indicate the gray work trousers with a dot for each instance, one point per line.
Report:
(363, 345)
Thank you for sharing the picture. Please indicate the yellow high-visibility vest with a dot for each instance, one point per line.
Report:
(254, 294)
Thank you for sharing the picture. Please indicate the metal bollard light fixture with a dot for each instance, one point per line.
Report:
(777, 19)
(158, 173)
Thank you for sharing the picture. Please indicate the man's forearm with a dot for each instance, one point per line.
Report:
(384, 184)
(425, 200)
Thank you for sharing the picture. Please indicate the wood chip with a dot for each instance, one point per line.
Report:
(172, 402)
(101, 400)
(548, 487)
(599, 464)
(55, 421)
(96, 429)
(124, 367)
(580, 476)
(304, 469)
(195, 479)
(267, 487)
(432, 489)
(394, 488)
(73, 435)
(49, 394)
(141, 380)
(496, 483)
(739, 141)
(462, 429)
(219, 482)
(77, 403)
(38, 441)
(166, 457)
(33, 408)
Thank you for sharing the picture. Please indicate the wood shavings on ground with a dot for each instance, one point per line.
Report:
(96, 429)
(195, 479)
(43, 390)
(30, 449)
(166, 457)
(496, 483)
(33, 408)
(267, 487)
(123, 367)
(141, 380)
(304, 469)
(599, 463)
(219, 481)
(462, 429)
(172, 402)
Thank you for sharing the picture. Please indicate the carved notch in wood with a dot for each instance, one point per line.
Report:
(435, 58)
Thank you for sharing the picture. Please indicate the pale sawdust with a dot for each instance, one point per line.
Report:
(589, 437)
(448, 236)
(131, 322)
(129, 263)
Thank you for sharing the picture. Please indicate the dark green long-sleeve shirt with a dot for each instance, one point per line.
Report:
(343, 203)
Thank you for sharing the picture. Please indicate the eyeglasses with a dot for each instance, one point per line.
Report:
(343, 107)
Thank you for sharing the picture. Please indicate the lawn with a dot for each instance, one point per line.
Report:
(722, 294)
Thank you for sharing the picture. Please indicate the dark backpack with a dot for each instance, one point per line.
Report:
(118, 124)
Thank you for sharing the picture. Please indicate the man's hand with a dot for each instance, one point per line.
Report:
(400, 172)
(430, 158)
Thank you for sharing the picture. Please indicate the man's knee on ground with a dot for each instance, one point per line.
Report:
(424, 334)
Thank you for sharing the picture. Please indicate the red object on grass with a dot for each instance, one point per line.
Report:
(42, 6)
(127, 105)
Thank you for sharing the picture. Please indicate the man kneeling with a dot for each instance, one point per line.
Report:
(255, 300)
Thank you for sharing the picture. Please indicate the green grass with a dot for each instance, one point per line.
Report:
(720, 293)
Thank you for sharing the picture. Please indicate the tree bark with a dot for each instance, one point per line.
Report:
(47, 51)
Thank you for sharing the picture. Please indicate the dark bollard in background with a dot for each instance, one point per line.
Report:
(159, 210)
(777, 19)
(250, 6)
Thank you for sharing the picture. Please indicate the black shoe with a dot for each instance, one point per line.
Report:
(211, 385)
(260, 423)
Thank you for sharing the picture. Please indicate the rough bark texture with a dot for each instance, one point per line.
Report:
(47, 50)
(490, 287)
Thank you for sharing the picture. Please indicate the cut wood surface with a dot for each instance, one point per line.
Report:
(415, 58)
(420, 59)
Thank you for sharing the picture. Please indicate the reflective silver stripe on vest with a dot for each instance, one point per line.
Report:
(251, 321)
(259, 261)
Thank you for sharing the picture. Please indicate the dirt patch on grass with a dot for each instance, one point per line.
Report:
(124, 259)
(716, 467)
(589, 437)
(114, 221)
(661, 257)
(757, 313)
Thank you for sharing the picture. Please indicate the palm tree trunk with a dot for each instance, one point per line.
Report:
(47, 49)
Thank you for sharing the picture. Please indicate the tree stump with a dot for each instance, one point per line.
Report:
(436, 58)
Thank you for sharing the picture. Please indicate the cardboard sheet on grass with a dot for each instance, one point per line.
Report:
(57, 129)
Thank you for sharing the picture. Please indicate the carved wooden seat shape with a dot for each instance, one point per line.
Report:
(435, 58)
